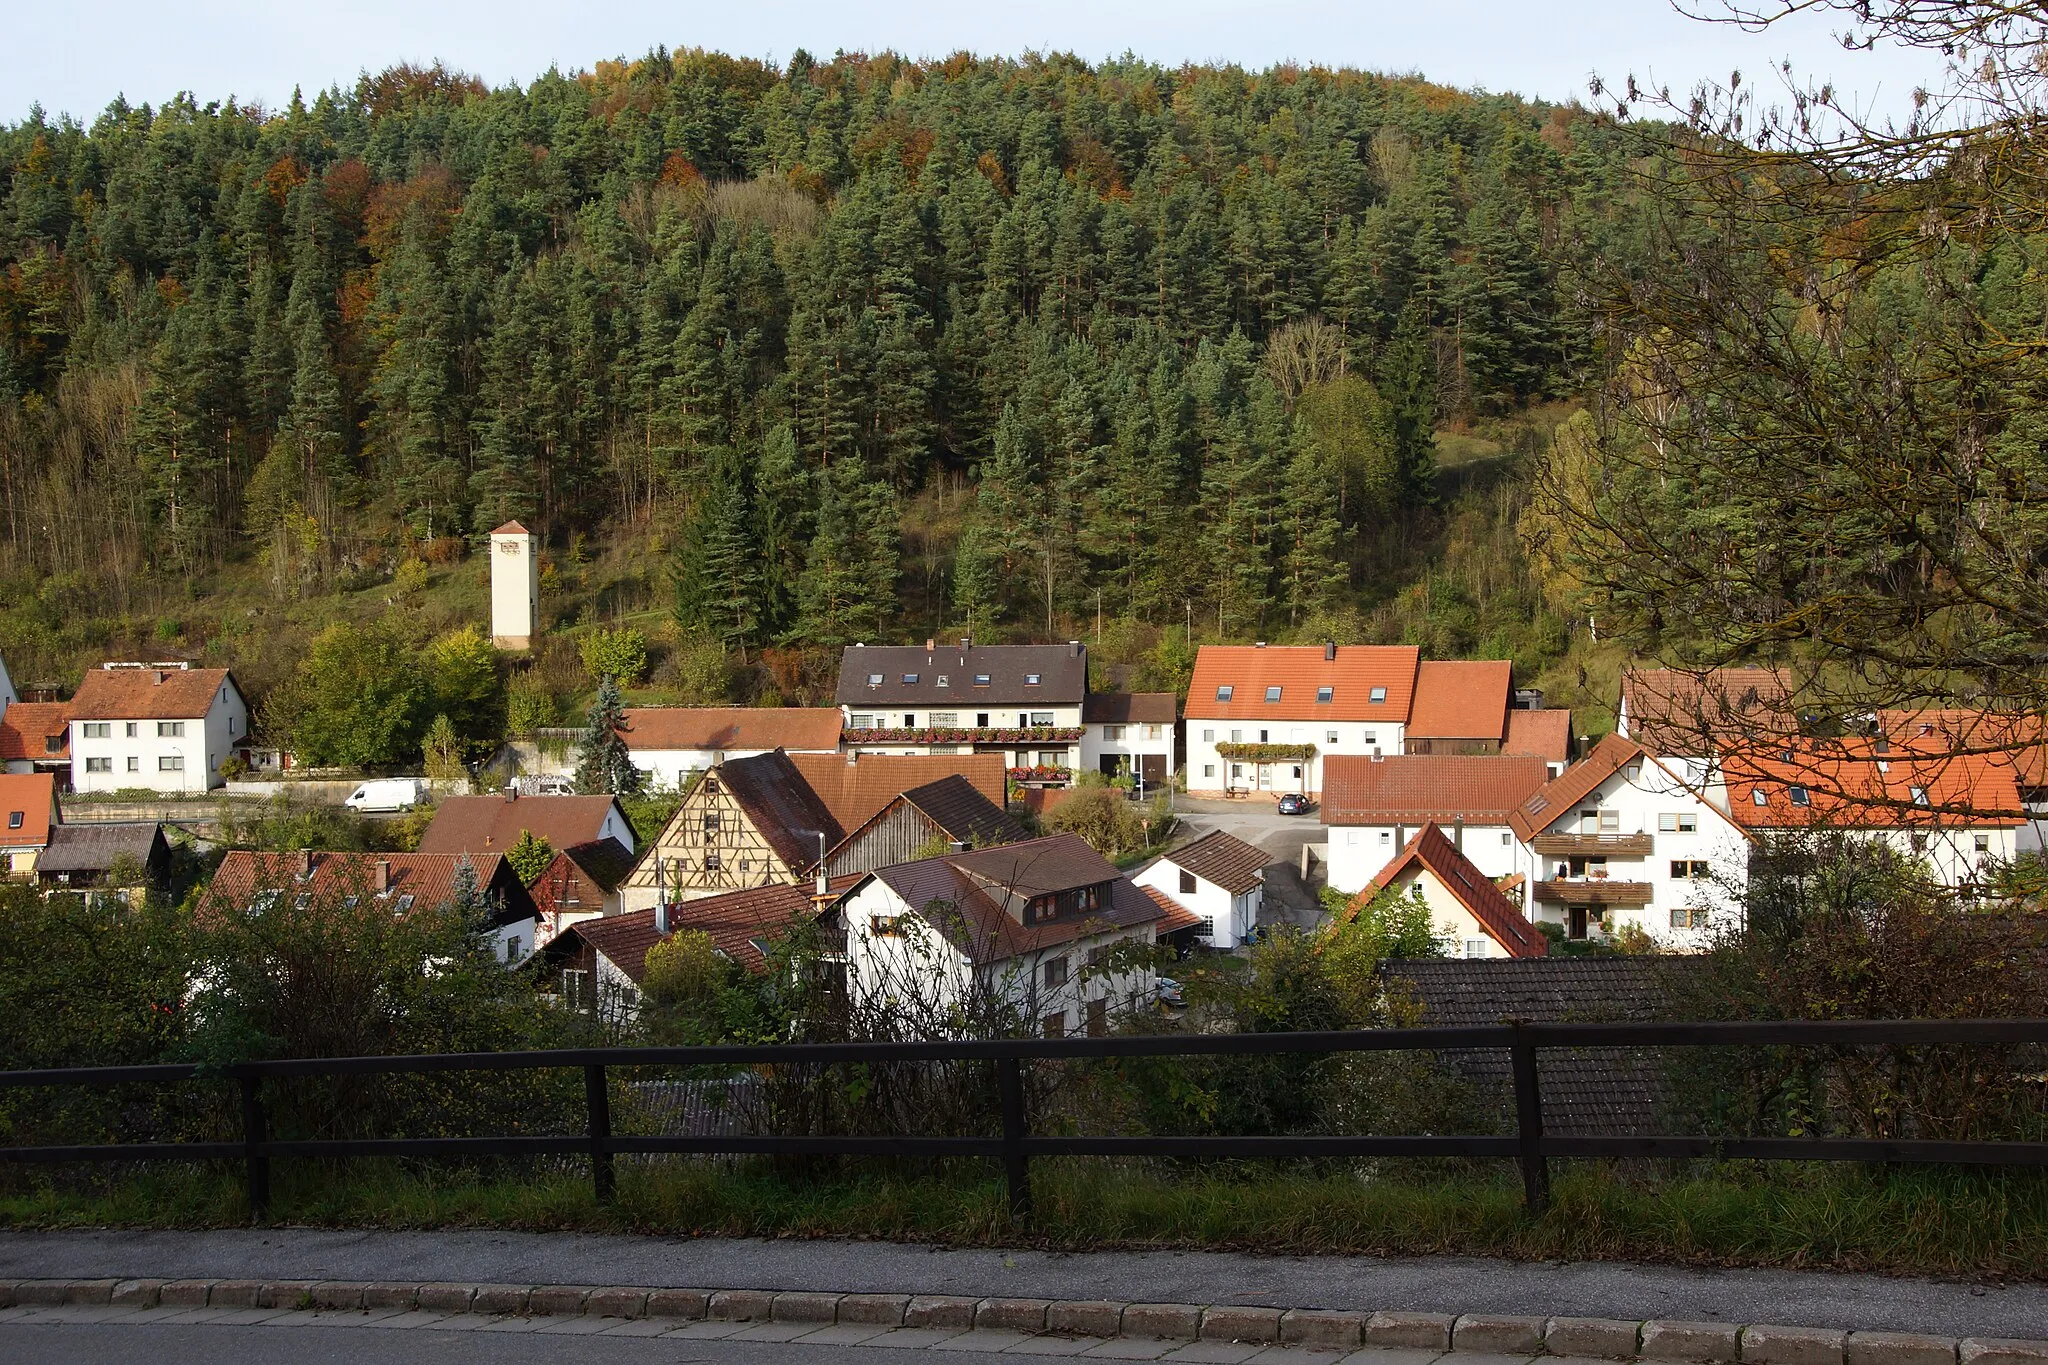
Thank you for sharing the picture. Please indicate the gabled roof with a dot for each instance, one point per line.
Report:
(1680, 713)
(1223, 859)
(1413, 789)
(1130, 708)
(1497, 915)
(1351, 672)
(1850, 784)
(428, 880)
(581, 877)
(26, 727)
(966, 896)
(1174, 916)
(1539, 734)
(853, 787)
(492, 824)
(727, 728)
(97, 847)
(1562, 794)
(872, 677)
(1460, 699)
(782, 805)
(2021, 740)
(149, 693)
(740, 924)
(955, 806)
(511, 528)
(31, 798)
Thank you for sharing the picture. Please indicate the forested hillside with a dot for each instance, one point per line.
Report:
(862, 349)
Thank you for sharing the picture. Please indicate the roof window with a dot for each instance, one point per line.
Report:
(1326, 694)
(981, 680)
(910, 679)
(1799, 796)
(14, 819)
(1379, 694)
(1919, 795)
(1758, 797)
(1033, 679)
(874, 680)
(1223, 692)
(944, 681)
(1272, 694)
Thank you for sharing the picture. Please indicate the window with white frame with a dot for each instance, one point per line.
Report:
(170, 729)
(1112, 734)
(863, 722)
(99, 765)
(1329, 737)
(1475, 947)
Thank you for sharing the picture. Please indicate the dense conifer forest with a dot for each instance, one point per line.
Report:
(777, 360)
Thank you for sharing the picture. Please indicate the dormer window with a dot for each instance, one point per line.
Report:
(874, 680)
(910, 679)
(1223, 692)
(1379, 695)
(1326, 694)
(1799, 796)
(1033, 679)
(1272, 694)
(981, 680)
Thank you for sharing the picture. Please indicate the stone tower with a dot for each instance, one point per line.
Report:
(515, 587)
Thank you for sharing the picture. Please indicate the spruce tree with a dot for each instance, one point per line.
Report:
(603, 764)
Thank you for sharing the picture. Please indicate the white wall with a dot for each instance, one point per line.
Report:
(1231, 918)
(1135, 741)
(203, 747)
(1448, 915)
(513, 943)
(515, 590)
(1358, 852)
(1208, 771)
(966, 715)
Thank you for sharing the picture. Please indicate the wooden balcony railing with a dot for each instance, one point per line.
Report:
(1591, 892)
(1597, 845)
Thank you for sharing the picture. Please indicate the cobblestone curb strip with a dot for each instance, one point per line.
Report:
(1475, 1337)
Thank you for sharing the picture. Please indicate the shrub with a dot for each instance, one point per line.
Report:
(620, 653)
(530, 855)
(529, 706)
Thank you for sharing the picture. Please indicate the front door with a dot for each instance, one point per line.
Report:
(1152, 768)
(1110, 763)
(1575, 926)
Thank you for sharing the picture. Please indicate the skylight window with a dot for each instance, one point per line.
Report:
(1033, 679)
(1326, 694)
(1759, 798)
(1272, 694)
(874, 680)
(1223, 692)
(944, 681)
(981, 680)
(910, 679)
(1379, 694)
(1919, 796)
(1799, 797)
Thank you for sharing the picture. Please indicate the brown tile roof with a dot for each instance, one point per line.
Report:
(1061, 670)
(853, 790)
(1412, 789)
(725, 728)
(1460, 699)
(979, 886)
(1850, 784)
(1540, 734)
(1175, 916)
(1298, 671)
(149, 693)
(492, 824)
(27, 726)
(582, 876)
(1564, 792)
(782, 804)
(428, 878)
(1496, 914)
(1223, 859)
(955, 806)
(1130, 708)
(1679, 713)
(739, 923)
(511, 528)
(31, 798)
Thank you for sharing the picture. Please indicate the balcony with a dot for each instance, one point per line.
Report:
(1012, 737)
(1594, 845)
(1593, 891)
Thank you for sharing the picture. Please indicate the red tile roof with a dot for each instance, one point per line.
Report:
(1677, 712)
(511, 528)
(492, 824)
(729, 728)
(1540, 734)
(1496, 914)
(1850, 784)
(1298, 671)
(26, 726)
(2021, 740)
(853, 789)
(149, 693)
(1563, 793)
(1460, 699)
(428, 878)
(1413, 789)
(31, 798)
(1177, 916)
(739, 923)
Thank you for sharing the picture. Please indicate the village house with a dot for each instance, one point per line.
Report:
(29, 803)
(493, 824)
(167, 727)
(669, 743)
(116, 859)
(581, 882)
(1027, 930)
(1130, 734)
(246, 882)
(1219, 878)
(35, 736)
(1261, 719)
(946, 816)
(1461, 707)
(1373, 806)
(1623, 839)
(1465, 906)
(770, 818)
(1541, 733)
(1021, 702)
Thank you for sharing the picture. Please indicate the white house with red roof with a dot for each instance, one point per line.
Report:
(28, 812)
(1261, 718)
(669, 743)
(1465, 906)
(1373, 806)
(167, 727)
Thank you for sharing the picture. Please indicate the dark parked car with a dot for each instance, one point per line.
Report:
(1294, 804)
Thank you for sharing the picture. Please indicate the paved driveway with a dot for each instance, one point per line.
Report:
(1288, 899)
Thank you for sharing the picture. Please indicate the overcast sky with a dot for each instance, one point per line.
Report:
(77, 57)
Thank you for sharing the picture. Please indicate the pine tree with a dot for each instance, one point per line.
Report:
(603, 763)
(719, 575)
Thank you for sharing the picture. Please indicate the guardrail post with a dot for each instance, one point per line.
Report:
(1529, 1120)
(598, 1099)
(255, 1133)
(1010, 1086)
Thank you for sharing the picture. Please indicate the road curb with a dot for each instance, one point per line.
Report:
(1473, 1335)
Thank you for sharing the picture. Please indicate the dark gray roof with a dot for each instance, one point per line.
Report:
(945, 675)
(781, 804)
(964, 813)
(96, 847)
(1600, 1091)
(1131, 708)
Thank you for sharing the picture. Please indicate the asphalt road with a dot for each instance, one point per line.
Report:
(1447, 1284)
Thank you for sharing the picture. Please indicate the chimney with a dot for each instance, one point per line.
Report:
(1329, 651)
(1260, 645)
(852, 757)
(383, 882)
(959, 846)
(304, 859)
(1074, 649)
(1458, 835)
(661, 916)
(965, 641)
(511, 791)
(160, 676)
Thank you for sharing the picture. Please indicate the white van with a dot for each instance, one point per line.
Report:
(387, 793)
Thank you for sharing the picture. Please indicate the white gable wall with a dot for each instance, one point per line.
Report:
(1231, 917)
(1358, 852)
